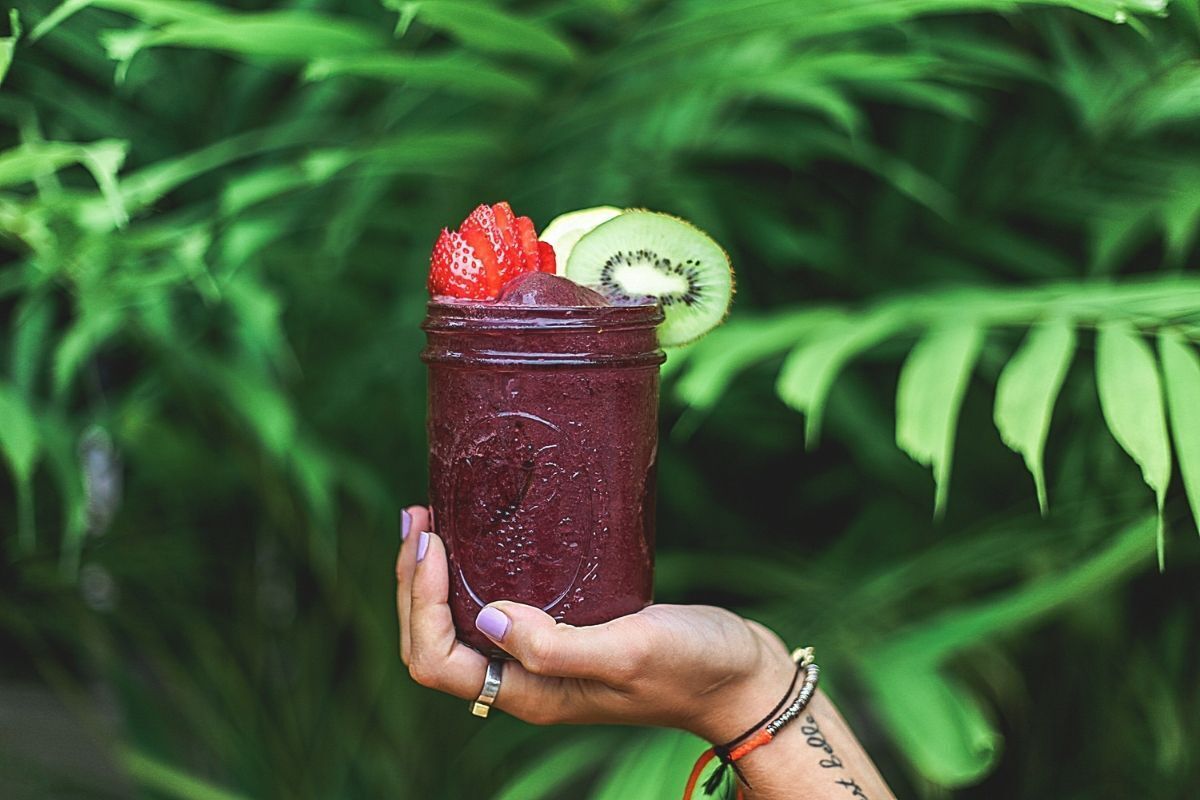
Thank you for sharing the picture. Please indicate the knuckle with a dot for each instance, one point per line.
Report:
(538, 656)
(420, 671)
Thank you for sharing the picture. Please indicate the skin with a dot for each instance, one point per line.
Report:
(697, 668)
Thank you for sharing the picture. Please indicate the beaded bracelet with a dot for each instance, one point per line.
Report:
(762, 733)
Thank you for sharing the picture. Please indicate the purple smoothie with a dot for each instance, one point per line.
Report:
(543, 435)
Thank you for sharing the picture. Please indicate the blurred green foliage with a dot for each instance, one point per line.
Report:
(957, 225)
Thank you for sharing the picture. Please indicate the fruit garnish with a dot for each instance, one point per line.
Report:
(527, 235)
(455, 269)
(507, 253)
(506, 221)
(479, 241)
(546, 260)
(566, 229)
(491, 247)
(648, 254)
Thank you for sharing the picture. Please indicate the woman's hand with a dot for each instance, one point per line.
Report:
(698, 668)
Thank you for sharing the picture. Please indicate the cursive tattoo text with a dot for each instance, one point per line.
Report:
(816, 738)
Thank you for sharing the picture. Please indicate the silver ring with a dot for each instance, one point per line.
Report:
(491, 688)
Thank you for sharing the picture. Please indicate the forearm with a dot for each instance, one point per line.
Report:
(814, 758)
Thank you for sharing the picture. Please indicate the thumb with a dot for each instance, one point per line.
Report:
(546, 647)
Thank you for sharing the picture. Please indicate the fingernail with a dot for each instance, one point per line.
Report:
(405, 524)
(493, 622)
(422, 546)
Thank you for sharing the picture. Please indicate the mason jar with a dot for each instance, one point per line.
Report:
(543, 438)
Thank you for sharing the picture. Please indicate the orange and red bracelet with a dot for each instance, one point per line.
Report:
(762, 733)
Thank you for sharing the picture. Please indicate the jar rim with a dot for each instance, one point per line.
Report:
(450, 316)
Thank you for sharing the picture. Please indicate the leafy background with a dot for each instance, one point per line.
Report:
(958, 225)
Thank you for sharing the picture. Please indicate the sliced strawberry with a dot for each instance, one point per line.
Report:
(546, 257)
(479, 242)
(456, 270)
(506, 222)
(481, 217)
(508, 255)
(527, 236)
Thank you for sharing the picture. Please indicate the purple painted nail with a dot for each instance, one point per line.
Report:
(405, 524)
(493, 622)
(422, 546)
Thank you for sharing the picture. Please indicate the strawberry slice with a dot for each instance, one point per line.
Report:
(506, 222)
(509, 261)
(527, 236)
(456, 270)
(546, 260)
(479, 242)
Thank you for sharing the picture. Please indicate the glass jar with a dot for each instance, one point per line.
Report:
(543, 437)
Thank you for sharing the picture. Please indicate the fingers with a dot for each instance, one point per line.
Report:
(436, 660)
(613, 654)
(415, 520)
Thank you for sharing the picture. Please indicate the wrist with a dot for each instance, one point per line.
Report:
(730, 709)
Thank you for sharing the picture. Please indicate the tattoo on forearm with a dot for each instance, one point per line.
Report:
(830, 760)
(856, 790)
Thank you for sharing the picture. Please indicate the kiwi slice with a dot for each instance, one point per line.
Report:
(566, 229)
(648, 254)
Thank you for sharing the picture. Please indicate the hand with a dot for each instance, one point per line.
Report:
(698, 668)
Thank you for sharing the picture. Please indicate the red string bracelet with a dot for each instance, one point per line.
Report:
(762, 733)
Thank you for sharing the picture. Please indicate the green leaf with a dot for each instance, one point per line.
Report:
(30, 338)
(1026, 392)
(650, 767)
(9, 43)
(20, 444)
(81, 340)
(1181, 374)
(554, 770)
(18, 433)
(264, 408)
(103, 159)
(739, 345)
(932, 384)
(149, 184)
(31, 160)
(810, 369)
(289, 35)
(939, 725)
(253, 187)
(1131, 398)
(146, 10)
(61, 448)
(447, 152)
(169, 780)
(315, 477)
(484, 27)
(951, 632)
(446, 73)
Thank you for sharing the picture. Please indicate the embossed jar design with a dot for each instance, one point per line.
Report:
(543, 436)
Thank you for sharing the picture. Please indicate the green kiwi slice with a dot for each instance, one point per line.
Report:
(648, 254)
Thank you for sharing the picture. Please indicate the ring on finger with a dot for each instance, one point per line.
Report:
(491, 688)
